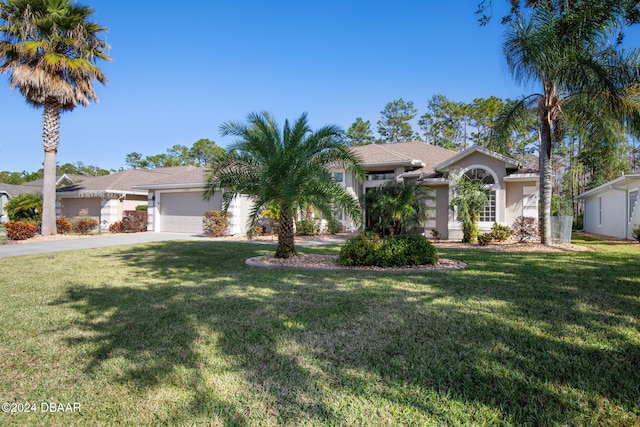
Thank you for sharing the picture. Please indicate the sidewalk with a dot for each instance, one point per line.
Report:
(31, 248)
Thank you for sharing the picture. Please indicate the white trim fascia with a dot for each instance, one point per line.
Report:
(607, 186)
(473, 149)
(409, 162)
(171, 186)
(521, 177)
(99, 193)
(436, 181)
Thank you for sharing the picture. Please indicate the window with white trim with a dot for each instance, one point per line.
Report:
(633, 199)
(488, 212)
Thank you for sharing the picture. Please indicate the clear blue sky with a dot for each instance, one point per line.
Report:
(179, 70)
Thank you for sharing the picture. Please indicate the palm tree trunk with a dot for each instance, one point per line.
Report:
(286, 247)
(50, 140)
(546, 181)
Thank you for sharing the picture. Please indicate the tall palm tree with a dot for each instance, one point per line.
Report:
(288, 167)
(49, 48)
(585, 81)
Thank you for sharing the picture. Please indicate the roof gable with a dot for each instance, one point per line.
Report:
(510, 163)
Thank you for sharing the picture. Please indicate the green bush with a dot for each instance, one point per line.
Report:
(334, 226)
(360, 250)
(307, 227)
(485, 238)
(20, 230)
(134, 220)
(142, 207)
(215, 223)
(635, 231)
(578, 223)
(368, 249)
(63, 225)
(406, 250)
(501, 233)
(25, 207)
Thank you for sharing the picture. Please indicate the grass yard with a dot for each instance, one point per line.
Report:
(183, 333)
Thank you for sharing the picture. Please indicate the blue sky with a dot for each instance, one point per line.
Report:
(179, 70)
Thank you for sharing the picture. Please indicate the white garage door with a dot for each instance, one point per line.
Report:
(182, 212)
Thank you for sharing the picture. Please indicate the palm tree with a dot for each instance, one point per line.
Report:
(49, 48)
(585, 81)
(288, 167)
(397, 206)
(470, 198)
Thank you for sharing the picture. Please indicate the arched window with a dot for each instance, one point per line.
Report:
(488, 212)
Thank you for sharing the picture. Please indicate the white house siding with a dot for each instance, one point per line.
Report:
(602, 214)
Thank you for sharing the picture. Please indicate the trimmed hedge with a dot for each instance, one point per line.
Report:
(368, 249)
(20, 230)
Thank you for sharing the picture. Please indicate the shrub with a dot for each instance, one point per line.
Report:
(578, 222)
(500, 233)
(307, 227)
(360, 250)
(636, 232)
(525, 229)
(368, 249)
(435, 234)
(403, 250)
(485, 238)
(116, 227)
(333, 226)
(20, 230)
(134, 220)
(142, 207)
(26, 206)
(215, 223)
(63, 225)
(84, 225)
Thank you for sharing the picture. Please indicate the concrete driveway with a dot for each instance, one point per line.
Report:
(31, 248)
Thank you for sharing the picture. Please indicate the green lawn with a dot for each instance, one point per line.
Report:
(185, 334)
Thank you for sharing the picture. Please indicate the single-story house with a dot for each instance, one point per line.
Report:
(104, 198)
(176, 203)
(613, 208)
(513, 190)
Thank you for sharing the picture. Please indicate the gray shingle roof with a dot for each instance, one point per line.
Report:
(402, 153)
(14, 190)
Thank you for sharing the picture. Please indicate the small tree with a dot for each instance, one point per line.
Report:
(25, 207)
(470, 198)
(397, 206)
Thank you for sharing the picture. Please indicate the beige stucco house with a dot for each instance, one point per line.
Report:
(513, 190)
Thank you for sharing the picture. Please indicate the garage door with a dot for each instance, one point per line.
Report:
(72, 207)
(182, 212)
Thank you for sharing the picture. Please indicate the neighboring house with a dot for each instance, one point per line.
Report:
(105, 197)
(176, 203)
(513, 191)
(61, 180)
(612, 209)
(7, 191)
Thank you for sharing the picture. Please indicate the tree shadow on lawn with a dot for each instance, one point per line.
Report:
(510, 339)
